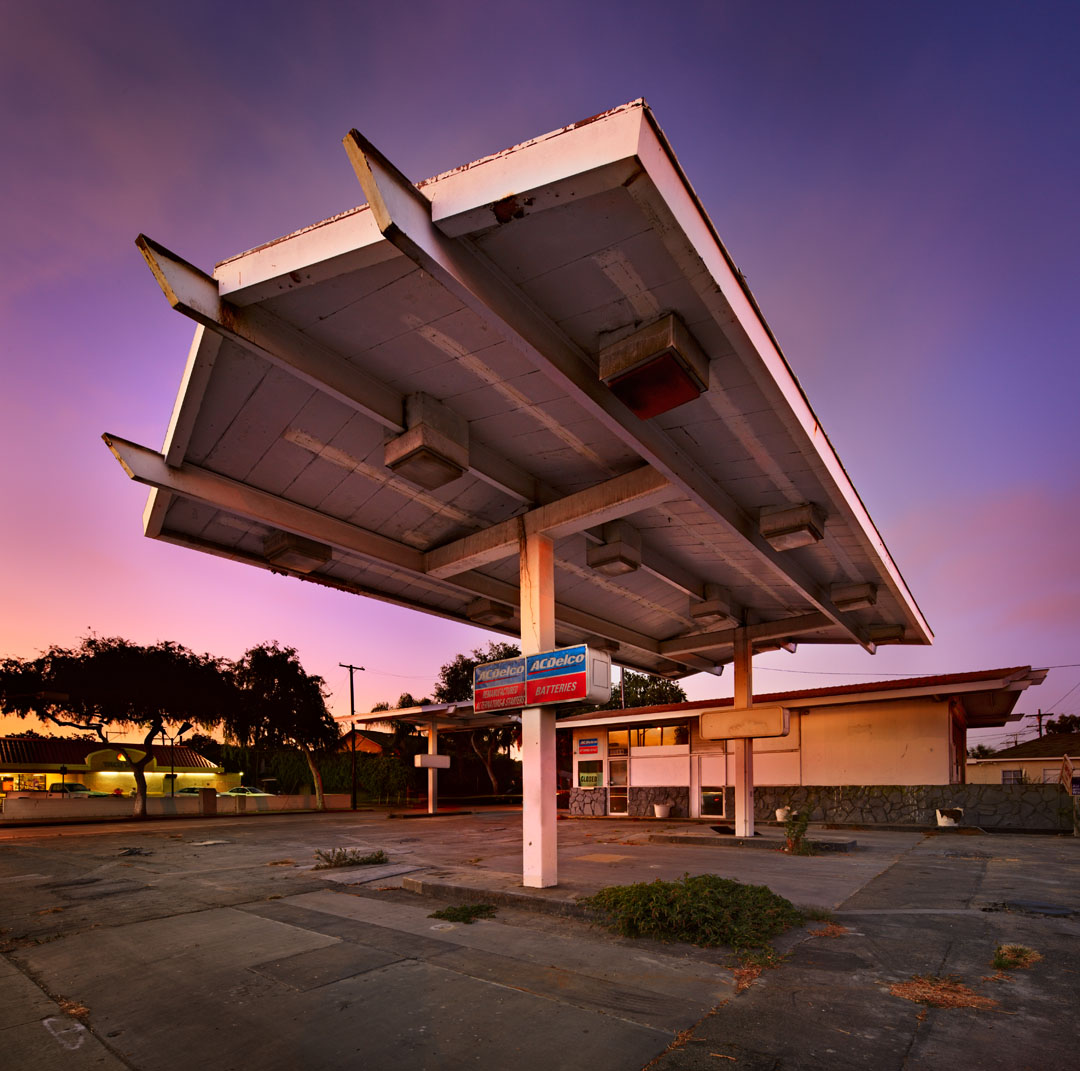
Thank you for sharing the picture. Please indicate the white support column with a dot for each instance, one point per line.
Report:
(743, 750)
(539, 782)
(432, 774)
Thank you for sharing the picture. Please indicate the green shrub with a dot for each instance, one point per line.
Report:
(467, 913)
(705, 910)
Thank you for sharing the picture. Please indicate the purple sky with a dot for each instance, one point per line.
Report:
(899, 184)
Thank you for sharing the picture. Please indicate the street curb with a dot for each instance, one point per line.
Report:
(449, 890)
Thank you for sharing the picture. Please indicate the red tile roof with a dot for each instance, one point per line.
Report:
(28, 751)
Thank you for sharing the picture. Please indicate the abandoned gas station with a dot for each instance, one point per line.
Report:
(534, 394)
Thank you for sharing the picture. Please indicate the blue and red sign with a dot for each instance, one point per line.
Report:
(499, 685)
(569, 675)
(557, 676)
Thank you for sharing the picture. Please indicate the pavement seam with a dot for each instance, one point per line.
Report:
(55, 999)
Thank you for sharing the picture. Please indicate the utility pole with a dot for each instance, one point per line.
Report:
(352, 722)
(1040, 717)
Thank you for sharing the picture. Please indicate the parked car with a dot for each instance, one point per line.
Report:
(189, 790)
(245, 790)
(73, 790)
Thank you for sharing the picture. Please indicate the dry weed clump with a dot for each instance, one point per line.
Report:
(941, 992)
(830, 929)
(1015, 957)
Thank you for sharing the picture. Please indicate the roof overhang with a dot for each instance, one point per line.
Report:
(445, 717)
(988, 700)
(457, 330)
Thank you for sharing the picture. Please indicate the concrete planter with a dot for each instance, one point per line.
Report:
(662, 810)
(949, 816)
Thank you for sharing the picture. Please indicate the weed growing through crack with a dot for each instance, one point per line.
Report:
(1014, 957)
(705, 910)
(467, 913)
(336, 857)
(795, 826)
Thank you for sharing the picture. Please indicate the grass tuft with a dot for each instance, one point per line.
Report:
(705, 910)
(467, 913)
(1015, 957)
(336, 857)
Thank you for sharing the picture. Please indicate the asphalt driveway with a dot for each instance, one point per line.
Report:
(211, 943)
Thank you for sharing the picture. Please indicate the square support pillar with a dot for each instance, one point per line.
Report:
(432, 774)
(743, 750)
(539, 838)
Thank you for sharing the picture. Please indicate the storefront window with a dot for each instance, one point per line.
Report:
(659, 736)
(590, 773)
(618, 742)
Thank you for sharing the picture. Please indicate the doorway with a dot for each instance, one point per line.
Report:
(617, 786)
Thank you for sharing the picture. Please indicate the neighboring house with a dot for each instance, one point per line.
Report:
(31, 764)
(365, 741)
(1038, 761)
(887, 733)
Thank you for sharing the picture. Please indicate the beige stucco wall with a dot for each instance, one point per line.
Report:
(898, 742)
(902, 742)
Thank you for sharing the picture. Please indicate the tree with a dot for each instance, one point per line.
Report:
(980, 751)
(455, 685)
(281, 705)
(106, 684)
(1064, 723)
(642, 690)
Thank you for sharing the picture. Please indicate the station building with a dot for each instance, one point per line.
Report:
(897, 733)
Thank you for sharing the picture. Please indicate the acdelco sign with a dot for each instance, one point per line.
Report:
(571, 674)
(499, 685)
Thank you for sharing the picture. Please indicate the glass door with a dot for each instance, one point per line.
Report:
(617, 787)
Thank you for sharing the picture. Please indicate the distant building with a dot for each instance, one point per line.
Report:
(32, 764)
(365, 741)
(1034, 762)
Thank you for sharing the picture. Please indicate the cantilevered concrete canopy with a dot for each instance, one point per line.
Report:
(396, 401)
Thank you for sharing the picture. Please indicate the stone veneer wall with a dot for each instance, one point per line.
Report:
(641, 800)
(990, 806)
(588, 802)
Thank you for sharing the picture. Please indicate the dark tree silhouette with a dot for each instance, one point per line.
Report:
(281, 705)
(108, 683)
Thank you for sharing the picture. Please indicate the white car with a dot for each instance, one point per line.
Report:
(245, 790)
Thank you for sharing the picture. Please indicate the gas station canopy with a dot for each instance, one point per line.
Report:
(551, 340)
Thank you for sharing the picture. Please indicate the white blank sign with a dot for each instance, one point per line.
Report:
(433, 762)
(726, 723)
